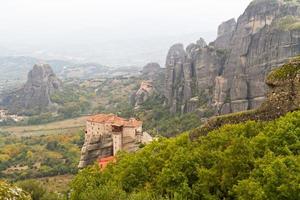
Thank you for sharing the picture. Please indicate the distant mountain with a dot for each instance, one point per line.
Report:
(14, 70)
(34, 96)
(15, 66)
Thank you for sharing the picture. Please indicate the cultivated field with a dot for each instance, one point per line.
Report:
(61, 127)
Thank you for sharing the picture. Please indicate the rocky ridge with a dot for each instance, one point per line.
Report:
(228, 75)
(35, 95)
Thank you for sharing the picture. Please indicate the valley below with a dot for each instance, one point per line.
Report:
(219, 121)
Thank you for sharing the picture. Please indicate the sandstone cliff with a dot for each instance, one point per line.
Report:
(228, 75)
(283, 97)
(34, 96)
(94, 148)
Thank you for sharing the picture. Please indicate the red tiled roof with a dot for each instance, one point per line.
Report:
(103, 162)
(114, 120)
(107, 159)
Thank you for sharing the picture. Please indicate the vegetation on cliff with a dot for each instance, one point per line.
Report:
(286, 72)
(283, 97)
(157, 120)
(288, 23)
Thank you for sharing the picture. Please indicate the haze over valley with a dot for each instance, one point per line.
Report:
(114, 33)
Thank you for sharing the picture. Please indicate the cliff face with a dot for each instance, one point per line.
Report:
(94, 148)
(190, 74)
(283, 97)
(36, 92)
(228, 75)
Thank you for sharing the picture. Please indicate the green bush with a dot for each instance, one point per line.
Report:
(8, 192)
(38, 192)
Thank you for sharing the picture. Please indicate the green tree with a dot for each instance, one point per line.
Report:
(34, 188)
(9, 192)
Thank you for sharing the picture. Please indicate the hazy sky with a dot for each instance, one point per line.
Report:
(79, 23)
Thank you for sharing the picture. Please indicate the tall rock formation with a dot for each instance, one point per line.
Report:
(151, 71)
(283, 97)
(35, 95)
(190, 75)
(225, 33)
(228, 75)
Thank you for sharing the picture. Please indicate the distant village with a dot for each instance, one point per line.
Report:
(5, 116)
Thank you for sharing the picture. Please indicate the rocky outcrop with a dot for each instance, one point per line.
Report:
(145, 91)
(95, 147)
(152, 83)
(225, 33)
(35, 95)
(175, 76)
(229, 74)
(283, 97)
(151, 71)
(190, 75)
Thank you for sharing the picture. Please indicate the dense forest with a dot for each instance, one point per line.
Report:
(251, 160)
(39, 155)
